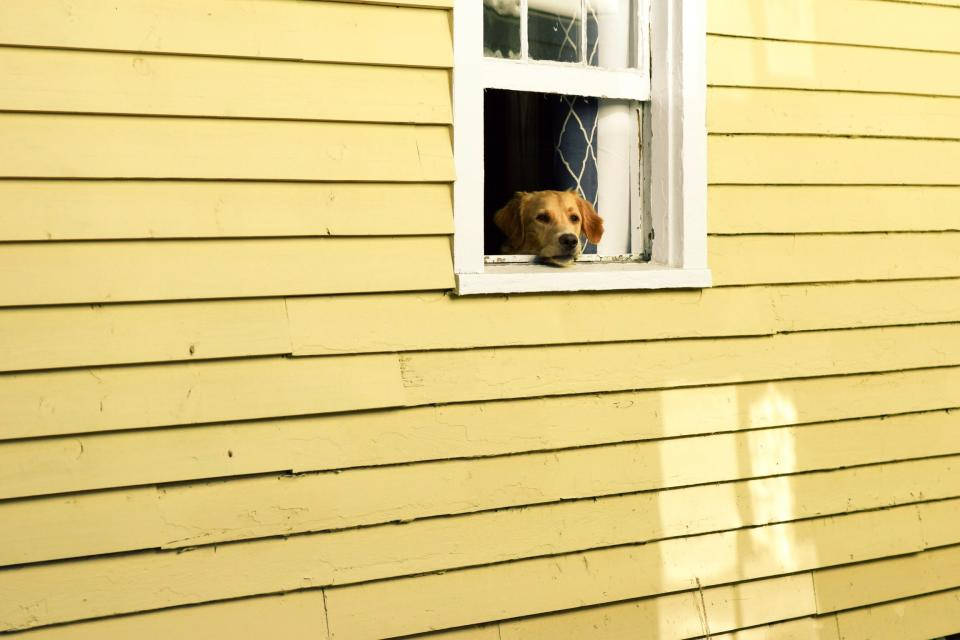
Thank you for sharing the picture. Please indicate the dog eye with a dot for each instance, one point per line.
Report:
(574, 218)
(543, 217)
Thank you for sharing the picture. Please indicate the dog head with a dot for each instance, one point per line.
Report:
(548, 224)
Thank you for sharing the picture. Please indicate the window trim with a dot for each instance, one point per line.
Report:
(544, 76)
(678, 169)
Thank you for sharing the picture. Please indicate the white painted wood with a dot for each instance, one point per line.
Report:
(691, 185)
(638, 182)
(584, 54)
(675, 152)
(468, 135)
(517, 278)
(678, 167)
(642, 31)
(529, 259)
(615, 137)
(524, 29)
(544, 76)
(616, 36)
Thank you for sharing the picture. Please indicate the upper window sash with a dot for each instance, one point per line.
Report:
(571, 78)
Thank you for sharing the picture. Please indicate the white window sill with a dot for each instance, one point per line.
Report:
(530, 278)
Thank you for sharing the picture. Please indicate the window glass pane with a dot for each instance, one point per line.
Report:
(609, 33)
(501, 28)
(554, 28)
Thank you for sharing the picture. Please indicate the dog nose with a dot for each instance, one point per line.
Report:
(569, 241)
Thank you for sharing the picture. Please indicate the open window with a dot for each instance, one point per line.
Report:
(603, 98)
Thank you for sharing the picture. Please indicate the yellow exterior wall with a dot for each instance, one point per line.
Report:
(237, 400)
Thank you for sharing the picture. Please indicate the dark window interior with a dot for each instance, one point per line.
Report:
(525, 145)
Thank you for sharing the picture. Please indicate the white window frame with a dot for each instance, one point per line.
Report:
(676, 144)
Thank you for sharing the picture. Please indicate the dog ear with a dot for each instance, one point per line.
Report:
(509, 220)
(592, 223)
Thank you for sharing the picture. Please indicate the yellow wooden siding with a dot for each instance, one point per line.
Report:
(467, 596)
(48, 337)
(276, 29)
(736, 209)
(808, 160)
(298, 614)
(791, 111)
(765, 454)
(914, 619)
(764, 259)
(940, 523)
(84, 400)
(860, 23)
(806, 307)
(407, 3)
(63, 525)
(130, 209)
(127, 83)
(65, 273)
(68, 146)
(950, 3)
(887, 579)
(681, 615)
(176, 517)
(748, 604)
(118, 459)
(481, 632)
(824, 628)
(113, 398)
(451, 376)
(402, 322)
(127, 583)
(744, 62)
(53, 337)
(219, 511)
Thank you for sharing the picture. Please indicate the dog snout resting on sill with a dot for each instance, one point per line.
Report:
(548, 224)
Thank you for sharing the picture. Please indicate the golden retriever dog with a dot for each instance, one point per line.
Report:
(548, 224)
